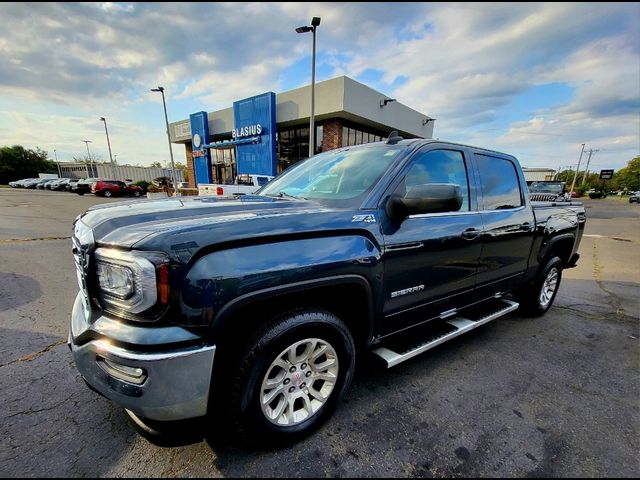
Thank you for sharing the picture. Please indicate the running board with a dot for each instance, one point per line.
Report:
(445, 330)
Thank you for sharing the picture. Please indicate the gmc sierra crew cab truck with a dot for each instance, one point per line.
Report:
(251, 312)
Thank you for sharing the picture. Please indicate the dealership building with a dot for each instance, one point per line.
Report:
(269, 132)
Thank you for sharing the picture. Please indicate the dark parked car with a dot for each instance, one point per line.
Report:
(109, 188)
(71, 184)
(635, 198)
(251, 310)
(84, 185)
(60, 184)
(34, 183)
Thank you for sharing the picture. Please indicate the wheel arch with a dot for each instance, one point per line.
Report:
(349, 297)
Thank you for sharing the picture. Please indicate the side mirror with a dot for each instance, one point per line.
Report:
(428, 198)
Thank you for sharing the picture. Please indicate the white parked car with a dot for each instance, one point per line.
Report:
(244, 184)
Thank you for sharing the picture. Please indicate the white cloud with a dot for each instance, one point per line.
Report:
(461, 63)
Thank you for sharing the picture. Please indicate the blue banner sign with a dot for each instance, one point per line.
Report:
(201, 155)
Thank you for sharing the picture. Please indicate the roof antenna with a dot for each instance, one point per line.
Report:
(394, 138)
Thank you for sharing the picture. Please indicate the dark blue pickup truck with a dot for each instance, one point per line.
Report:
(251, 311)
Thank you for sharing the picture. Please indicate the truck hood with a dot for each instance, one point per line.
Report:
(194, 222)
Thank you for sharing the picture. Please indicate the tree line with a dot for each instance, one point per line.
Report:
(625, 179)
(17, 162)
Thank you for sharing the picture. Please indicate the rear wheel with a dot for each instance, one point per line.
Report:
(537, 297)
(136, 193)
(107, 193)
(289, 378)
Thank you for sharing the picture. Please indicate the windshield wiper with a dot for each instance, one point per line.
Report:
(282, 194)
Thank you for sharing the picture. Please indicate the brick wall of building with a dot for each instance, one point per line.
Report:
(190, 167)
(332, 134)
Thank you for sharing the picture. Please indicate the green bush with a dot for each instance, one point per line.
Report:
(143, 184)
(580, 190)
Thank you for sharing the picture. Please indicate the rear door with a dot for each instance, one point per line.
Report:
(430, 260)
(508, 220)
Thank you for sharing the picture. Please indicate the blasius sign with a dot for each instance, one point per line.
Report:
(248, 131)
(256, 117)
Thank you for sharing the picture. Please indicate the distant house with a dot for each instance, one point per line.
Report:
(538, 174)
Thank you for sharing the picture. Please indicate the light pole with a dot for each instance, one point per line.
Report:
(87, 142)
(315, 22)
(577, 170)
(586, 170)
(113, 169)
(55, 154)
(166, 119)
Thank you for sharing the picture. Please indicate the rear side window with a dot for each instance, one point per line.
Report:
(499, 182)
(262, 181)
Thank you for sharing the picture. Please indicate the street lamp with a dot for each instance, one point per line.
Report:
(87, 142)
(55, 154)
(573, 184)
(166, 119)
(315, 22)
(113, 169)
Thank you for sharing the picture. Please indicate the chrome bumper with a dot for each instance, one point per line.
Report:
(164, 386)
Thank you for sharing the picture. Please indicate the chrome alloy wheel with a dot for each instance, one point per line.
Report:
(298, 382)
(548, 287)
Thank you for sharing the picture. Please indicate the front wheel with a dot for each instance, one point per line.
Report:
(107, 193)
(289, 379)
(537, 297)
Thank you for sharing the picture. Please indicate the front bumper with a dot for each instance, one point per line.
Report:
(160, 385)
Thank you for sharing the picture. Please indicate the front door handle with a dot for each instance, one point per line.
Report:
(526, 226)
(471, 233)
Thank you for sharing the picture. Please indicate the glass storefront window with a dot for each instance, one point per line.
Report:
(319, 138)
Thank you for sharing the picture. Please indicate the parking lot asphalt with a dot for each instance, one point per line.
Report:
(553, 396)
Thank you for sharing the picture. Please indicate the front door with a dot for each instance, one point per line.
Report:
(430, 259)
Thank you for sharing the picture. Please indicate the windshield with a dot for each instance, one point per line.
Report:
(544, 187)
(344, 176)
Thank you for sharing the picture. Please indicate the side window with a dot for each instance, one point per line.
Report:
(262, 181)
(499, 183)
(438, 166)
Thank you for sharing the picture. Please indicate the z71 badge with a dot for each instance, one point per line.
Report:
(364, 218)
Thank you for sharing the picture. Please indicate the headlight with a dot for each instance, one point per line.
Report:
(115, 280)
(126, 282)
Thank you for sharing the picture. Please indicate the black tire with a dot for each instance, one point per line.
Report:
(532, 302)
(80, 193)
(242, 408)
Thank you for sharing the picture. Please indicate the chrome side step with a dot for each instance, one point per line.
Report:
(446, 331)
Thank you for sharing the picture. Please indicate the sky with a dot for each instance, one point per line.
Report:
(535, 80)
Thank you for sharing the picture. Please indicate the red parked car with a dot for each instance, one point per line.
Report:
(110, 188)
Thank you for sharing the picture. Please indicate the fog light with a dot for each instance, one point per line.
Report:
(123, 372)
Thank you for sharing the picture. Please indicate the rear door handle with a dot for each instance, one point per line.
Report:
(471, 233)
